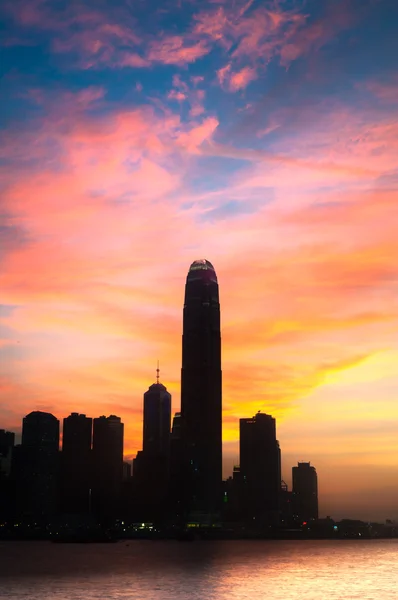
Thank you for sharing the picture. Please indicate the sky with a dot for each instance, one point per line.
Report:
(137, 136)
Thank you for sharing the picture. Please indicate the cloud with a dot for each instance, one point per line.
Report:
(228, 210)
(245, 32)
(99, 38)
(189, 91)
(193, 139)
(384, 90)
(234, 81)
(176, 50)
(176, 95)
(242, 78)
(223, 73)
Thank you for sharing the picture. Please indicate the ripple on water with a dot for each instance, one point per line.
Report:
(241, 570)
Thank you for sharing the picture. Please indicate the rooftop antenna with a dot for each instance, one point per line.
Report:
(157, 373)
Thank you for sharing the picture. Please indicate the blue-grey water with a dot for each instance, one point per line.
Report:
(223, 570)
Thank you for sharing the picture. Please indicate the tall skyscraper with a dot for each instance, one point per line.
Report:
(107, 456)
(157, 420)
(260, 468)
(151, 465)
(76, 463)
(36, 465)
(201, 389)
(305, 491)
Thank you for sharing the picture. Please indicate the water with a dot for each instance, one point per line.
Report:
(223, 570)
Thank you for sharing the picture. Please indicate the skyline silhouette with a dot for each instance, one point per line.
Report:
(178, 472)
(260, 134)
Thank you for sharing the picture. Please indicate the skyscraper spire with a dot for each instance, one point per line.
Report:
(157, 373)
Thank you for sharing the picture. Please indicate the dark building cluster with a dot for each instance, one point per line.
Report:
(176, 479)
(39, 482)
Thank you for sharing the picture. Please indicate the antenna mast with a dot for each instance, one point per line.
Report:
(157, 373)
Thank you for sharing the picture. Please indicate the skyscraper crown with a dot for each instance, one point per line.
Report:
(202, 270)
(201, 265)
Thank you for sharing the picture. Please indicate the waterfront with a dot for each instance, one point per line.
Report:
(224, 570)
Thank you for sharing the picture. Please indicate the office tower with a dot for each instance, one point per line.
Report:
(260, 468)
(305, 491)
(107, 455)
(36, 466)
(201, 390)
(76, 464)
(157, 420)
(151, 465)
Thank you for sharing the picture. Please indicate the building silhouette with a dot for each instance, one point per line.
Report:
(7, 439)
(176, 480)
(151, 465)
(201, 391)
(107, 475)
(126, 470)
(157, 420)
(260, 469)
(35, 466)
(76, 464)
(305, 491)
(233, 506)
(286, 505)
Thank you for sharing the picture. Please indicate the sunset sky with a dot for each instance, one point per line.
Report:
(137, 136)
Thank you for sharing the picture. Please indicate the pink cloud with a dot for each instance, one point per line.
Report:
(184, 91)
(131, 59)
(241, 79)
(176, 50)
(197, 79)
(106, 39)
(260, 34)
(386, 91)
(223, 73)
(256, 35)
(176, 95)
(194, 138)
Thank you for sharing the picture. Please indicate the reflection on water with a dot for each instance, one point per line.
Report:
(225, 570)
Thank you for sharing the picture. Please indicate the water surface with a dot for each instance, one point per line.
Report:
(222, 570)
